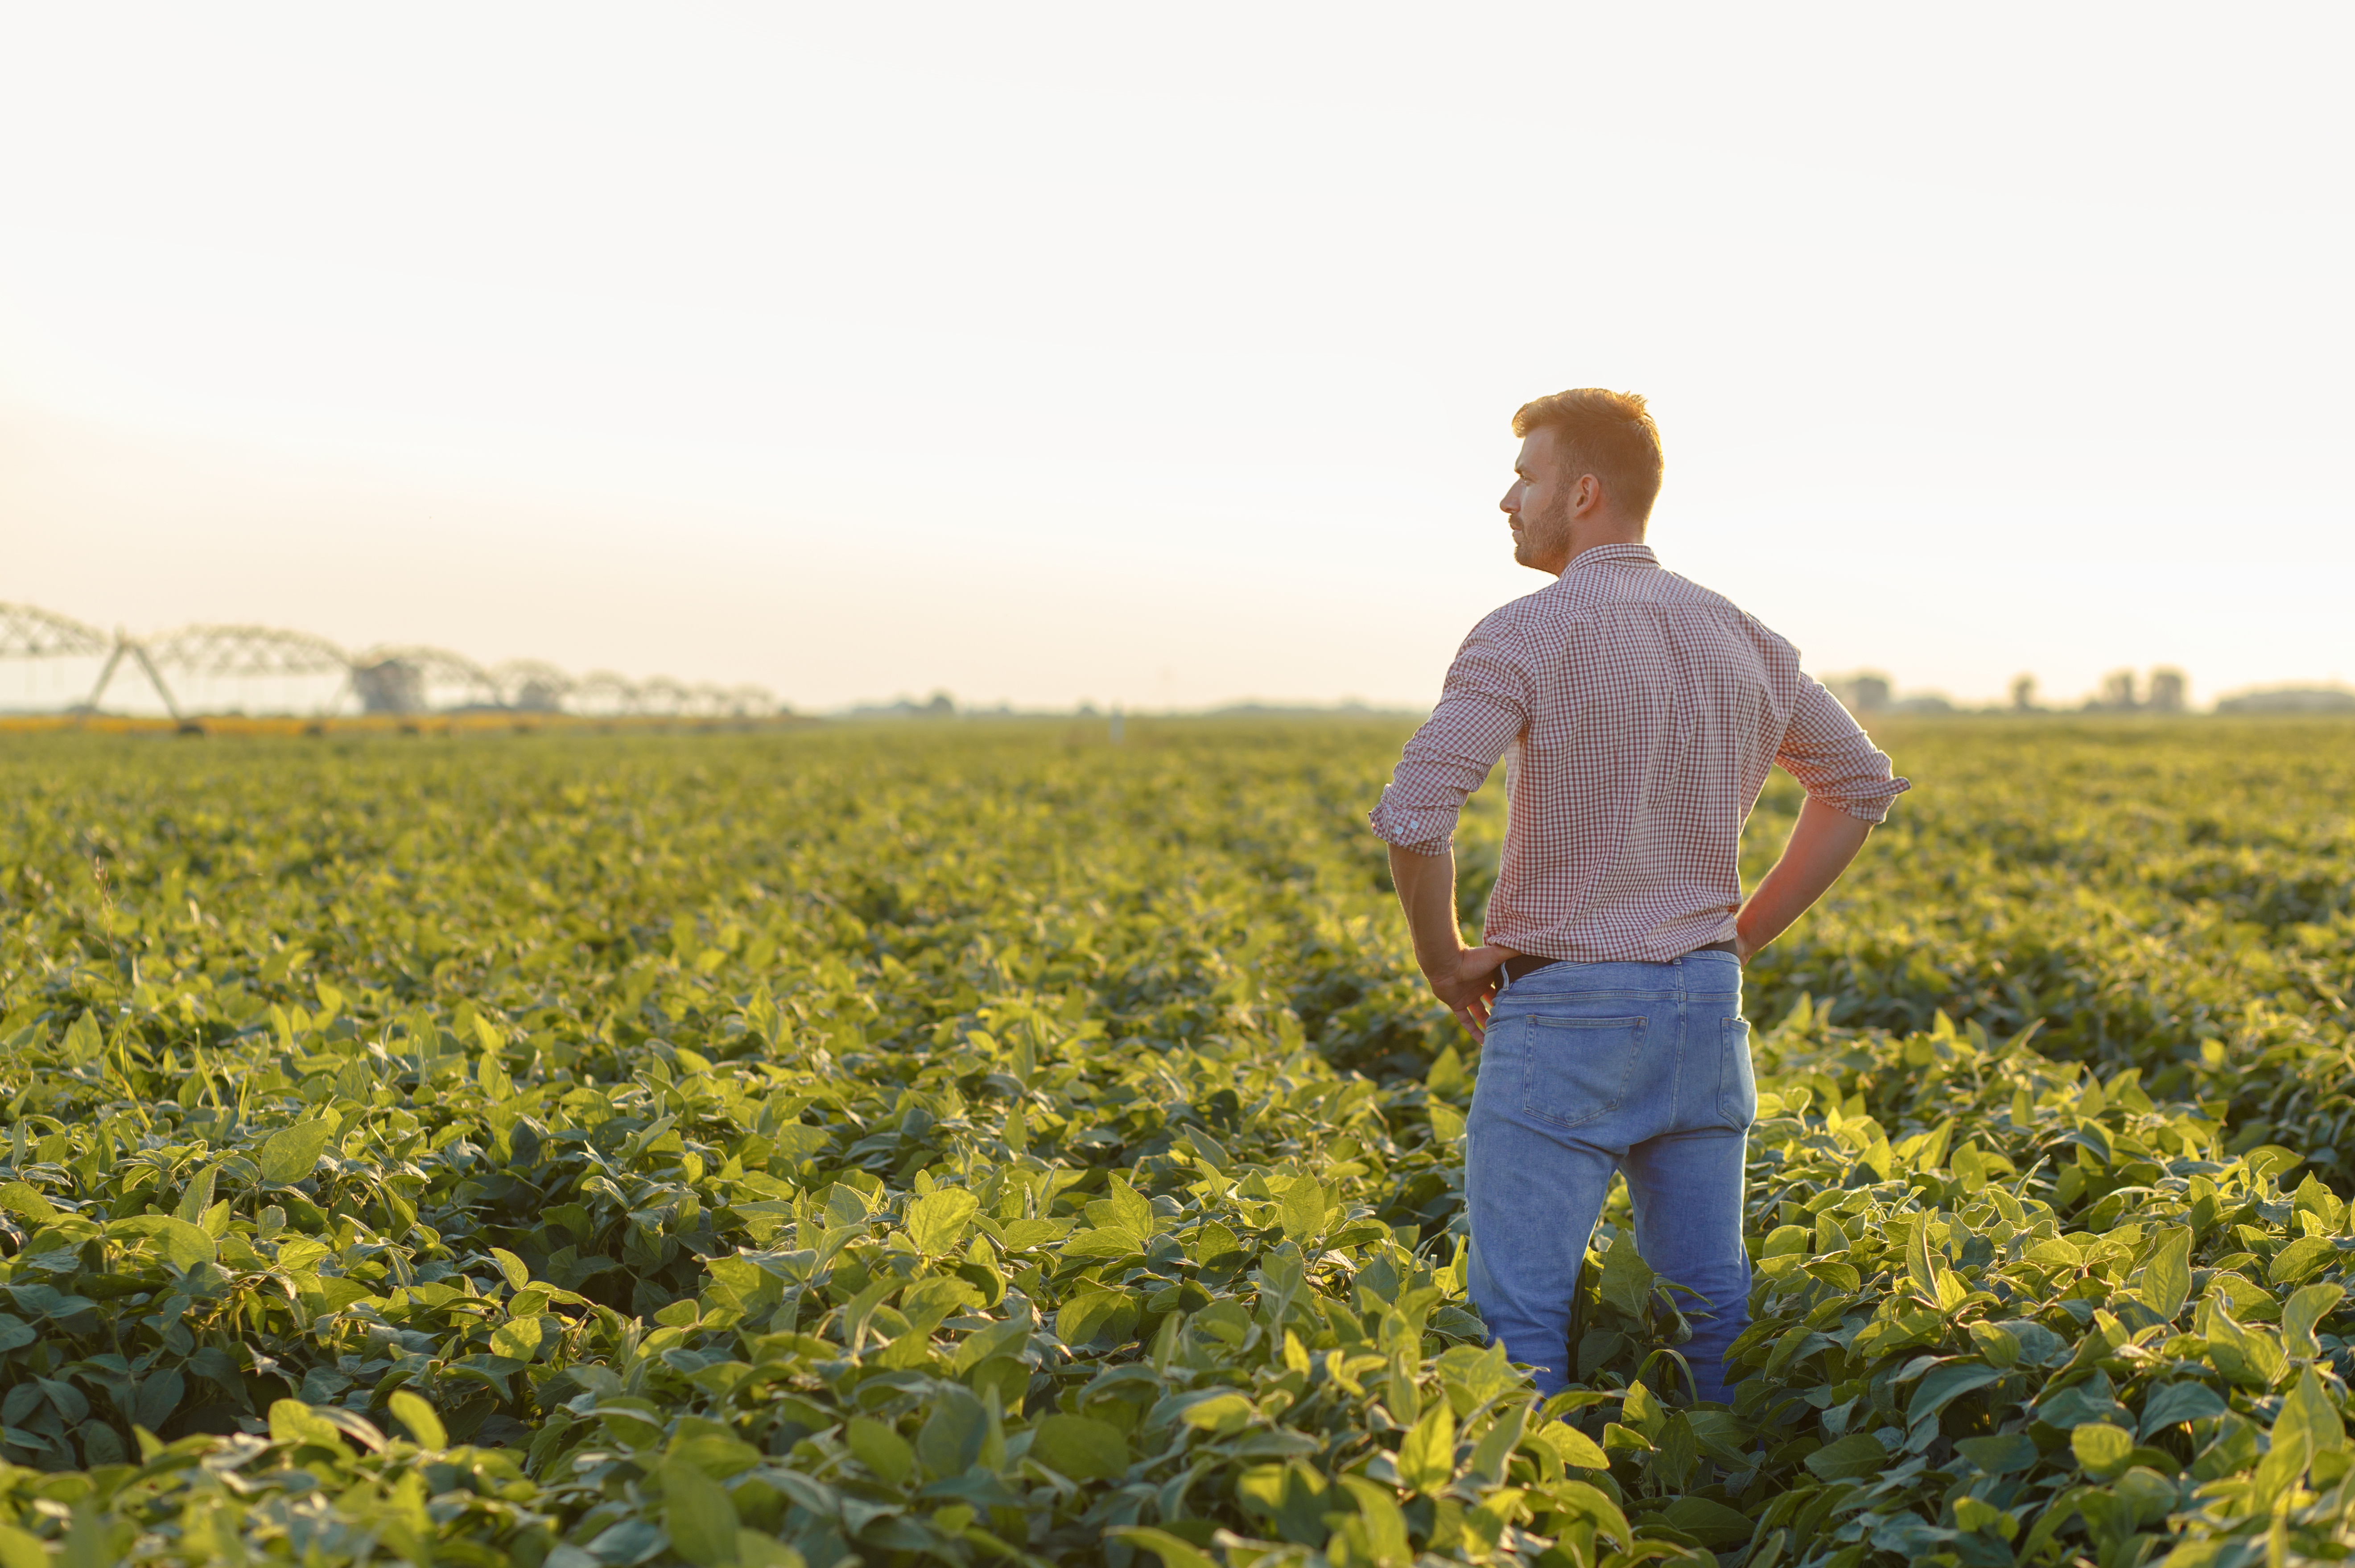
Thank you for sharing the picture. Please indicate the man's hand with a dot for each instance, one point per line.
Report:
(1464, 978)
(1467, 988)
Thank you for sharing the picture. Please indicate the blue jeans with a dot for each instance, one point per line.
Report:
(1590, 1069)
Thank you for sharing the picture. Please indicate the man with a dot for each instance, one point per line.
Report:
(1638, 714)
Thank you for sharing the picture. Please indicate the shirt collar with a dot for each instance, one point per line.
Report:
(1613, 554)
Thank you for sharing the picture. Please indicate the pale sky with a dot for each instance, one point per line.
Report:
(1165, 357)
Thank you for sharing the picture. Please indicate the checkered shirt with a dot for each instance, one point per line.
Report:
(1638, 714)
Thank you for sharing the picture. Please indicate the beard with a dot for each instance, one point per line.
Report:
(1541, 535)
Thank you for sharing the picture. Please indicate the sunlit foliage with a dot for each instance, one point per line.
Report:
(987, 1143)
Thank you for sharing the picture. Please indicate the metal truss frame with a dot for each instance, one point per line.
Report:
(385, 679)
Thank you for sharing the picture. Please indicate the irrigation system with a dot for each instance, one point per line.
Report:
(290, 666)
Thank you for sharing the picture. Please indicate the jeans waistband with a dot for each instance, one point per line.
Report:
(1524, 964)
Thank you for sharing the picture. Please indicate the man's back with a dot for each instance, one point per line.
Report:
(1638, 714)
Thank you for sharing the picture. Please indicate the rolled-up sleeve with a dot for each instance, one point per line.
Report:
(1833, 760)
(1484, 704)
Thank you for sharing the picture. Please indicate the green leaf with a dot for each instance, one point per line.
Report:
(1385, 1526)
(83, 1042)
(953, 1435)
(1097, 1317)
(754, 1549)
(1301, 1213)
(518, 1339)
(1851, 1459)
(1998, 1344)
(1999, 1455)
(2302, 1257)
(291, 1421)
(1579, 1500)
(1678, 1452)
(1173, 1552)
(2101, 1448)
(1917, 1257)
(1941, 1386)
(159, 1396)
(1132, 1209)
(2307, 1410)
(2176, 1403)
(198, 1197)
(2306, 1308)
(1426, 1456)
(185, 1245)
(511, 1267)
(1080, 1448)
(290, 1153)
(417, 1415)
(1109, 1242)
(698, 1515)
(1712, 1523)
(1627, 1279)
(1222, 1413)
(19, 1550)
(2167, 1276)
(24, 1198)
(1574, 1449)
(882, 1449)
(1209, 1148)
(937, 1221)
(1642, 1409)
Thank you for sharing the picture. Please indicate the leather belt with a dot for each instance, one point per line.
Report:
(1521, 964)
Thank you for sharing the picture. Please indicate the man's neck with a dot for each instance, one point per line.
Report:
(1579, 547)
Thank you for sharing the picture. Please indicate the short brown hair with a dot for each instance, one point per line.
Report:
(1607, 434)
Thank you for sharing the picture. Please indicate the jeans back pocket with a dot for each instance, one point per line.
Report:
(1737, 1085)
(1576, 1069)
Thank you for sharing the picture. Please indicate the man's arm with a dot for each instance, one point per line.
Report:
(1464, 978)
(1822, 842)
(1850, 785)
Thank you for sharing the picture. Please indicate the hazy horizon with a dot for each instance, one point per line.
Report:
(1168, 362)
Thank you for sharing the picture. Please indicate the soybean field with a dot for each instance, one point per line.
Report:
(978, 1142)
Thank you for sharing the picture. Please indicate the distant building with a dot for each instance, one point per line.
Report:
(1865, 693)
(389, 686)
(2291, 700)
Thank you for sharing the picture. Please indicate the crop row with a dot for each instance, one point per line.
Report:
(1007, 1147)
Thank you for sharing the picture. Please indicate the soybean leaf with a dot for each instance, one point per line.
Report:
(418, 1416)
(2101, 1448)
(289, 1154)
(1426, 1456)
(1173, 1550)
(185, 1245)
(937, 1221)
(1852, 1457)
(697, 1513)
(1080, 1447)
(1301, 1214)
(2167, 1276)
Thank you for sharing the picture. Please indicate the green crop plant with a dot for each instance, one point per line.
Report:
(980, 1144)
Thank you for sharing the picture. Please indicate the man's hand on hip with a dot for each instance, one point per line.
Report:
(1467, 987)
(1464, 978)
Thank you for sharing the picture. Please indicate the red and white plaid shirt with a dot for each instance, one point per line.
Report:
(1638, 714)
